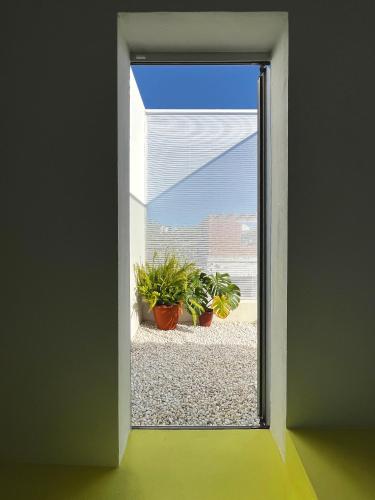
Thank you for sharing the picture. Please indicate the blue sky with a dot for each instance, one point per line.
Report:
(197, 86)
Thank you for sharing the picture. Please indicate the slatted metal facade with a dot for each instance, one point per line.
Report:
(201, 190)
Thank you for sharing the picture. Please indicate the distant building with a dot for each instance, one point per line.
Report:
(232, 248)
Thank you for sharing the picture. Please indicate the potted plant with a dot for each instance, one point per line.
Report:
(215, 294)
(163, 286)
(195, 296)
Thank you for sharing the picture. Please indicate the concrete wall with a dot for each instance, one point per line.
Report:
(59, 333)
(137, 195)
(331, 268)
(59, 319)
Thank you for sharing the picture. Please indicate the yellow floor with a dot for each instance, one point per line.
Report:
(212, 465)
(339, 463)
(164, 465)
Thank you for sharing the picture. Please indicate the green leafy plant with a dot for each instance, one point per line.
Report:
(195, 296)
(212, 291)
(164, 283)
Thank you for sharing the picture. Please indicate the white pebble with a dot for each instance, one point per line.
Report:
(195, 376)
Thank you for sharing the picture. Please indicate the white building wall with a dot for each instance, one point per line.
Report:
(137, 195)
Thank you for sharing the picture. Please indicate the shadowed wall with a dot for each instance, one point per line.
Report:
(58, 349)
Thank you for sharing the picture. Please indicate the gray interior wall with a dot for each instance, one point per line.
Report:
(331, 269)
(58, 350)
(59, 326)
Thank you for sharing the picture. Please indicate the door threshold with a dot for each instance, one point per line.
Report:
(198, 427)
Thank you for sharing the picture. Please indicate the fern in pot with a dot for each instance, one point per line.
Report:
(212, 294)
(164, 286)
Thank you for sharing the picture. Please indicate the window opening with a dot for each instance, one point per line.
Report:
(201, 203)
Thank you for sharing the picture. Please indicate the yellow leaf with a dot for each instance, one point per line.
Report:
(221, 306)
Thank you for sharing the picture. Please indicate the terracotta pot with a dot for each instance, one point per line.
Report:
(166, 317)
(205, 319)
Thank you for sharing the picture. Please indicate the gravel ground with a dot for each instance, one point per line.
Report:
(195, 375)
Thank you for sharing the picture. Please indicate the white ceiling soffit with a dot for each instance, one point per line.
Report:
(202, 31)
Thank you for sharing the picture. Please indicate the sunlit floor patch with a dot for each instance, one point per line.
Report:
(195, 376)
